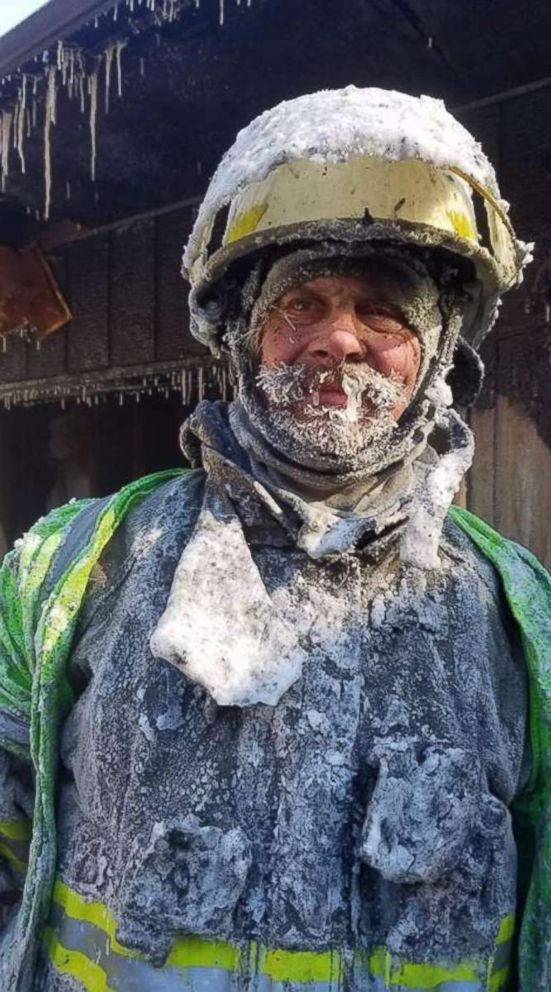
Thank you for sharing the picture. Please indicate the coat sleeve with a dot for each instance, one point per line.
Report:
(23, 576)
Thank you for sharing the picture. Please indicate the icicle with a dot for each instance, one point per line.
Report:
(109, 53)
(197, 4)
(37, 344)
(430, 42)
(28, 120)
(82, 95)
(142, 66)
(49, 119)
(200, 383)
(5, 133)
(221, 19)
(15, 125)
(67, 190)
(547, 313)
(93, 83)
(21, 122)
(116, 12)
(4, 344)
(118, 52)
(59, 54)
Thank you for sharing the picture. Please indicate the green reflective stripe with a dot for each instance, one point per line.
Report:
(76, 964)
(16, 829)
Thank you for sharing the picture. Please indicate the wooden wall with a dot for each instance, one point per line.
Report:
(510, 482)
(129, 304)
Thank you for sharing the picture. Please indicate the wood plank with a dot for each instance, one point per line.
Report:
(132, 294)
(173, 337)
(481, 479)
(13, 361)
(523, 480)
(88, 334)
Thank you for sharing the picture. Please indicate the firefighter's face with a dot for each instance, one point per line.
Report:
(334, 323)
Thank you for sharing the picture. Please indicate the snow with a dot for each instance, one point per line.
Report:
(219, 626)
(423, 530)
(335, 125)
(439, 393)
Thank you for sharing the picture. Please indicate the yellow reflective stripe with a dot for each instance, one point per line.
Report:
(300, 966)
(194, 952)
(8, 854)
(506, 929)
(76, 964)
(380, 963)
(95, 913)
(420, 976)
(498, 981)
(16, 829)
(246, 223)
(284, 965)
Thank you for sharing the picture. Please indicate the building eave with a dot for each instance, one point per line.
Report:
(54, 21)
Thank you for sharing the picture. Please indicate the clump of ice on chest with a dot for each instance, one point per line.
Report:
(423, 530)
(220, 626)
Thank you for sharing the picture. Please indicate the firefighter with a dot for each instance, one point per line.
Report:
(265, 723)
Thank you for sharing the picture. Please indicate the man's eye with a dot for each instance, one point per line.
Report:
(303, 310)
(382, 319)
(300, 306)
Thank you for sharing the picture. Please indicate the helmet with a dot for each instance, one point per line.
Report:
(353, 166)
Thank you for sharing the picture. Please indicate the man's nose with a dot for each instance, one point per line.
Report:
(337, 344)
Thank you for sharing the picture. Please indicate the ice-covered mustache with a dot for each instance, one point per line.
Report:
(284, 385)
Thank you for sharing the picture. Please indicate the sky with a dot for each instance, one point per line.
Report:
(14, 11)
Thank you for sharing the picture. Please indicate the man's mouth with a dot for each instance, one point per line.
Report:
(354, 390)
(328, 396)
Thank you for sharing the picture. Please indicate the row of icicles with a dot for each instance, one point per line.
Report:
(191, 383)
(68, 70)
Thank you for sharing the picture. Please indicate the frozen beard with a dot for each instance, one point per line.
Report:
(333, 445)
(294, 395)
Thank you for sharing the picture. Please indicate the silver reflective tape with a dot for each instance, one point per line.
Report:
(125, 974)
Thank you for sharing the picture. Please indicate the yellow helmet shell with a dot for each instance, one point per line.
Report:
(373, 163)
